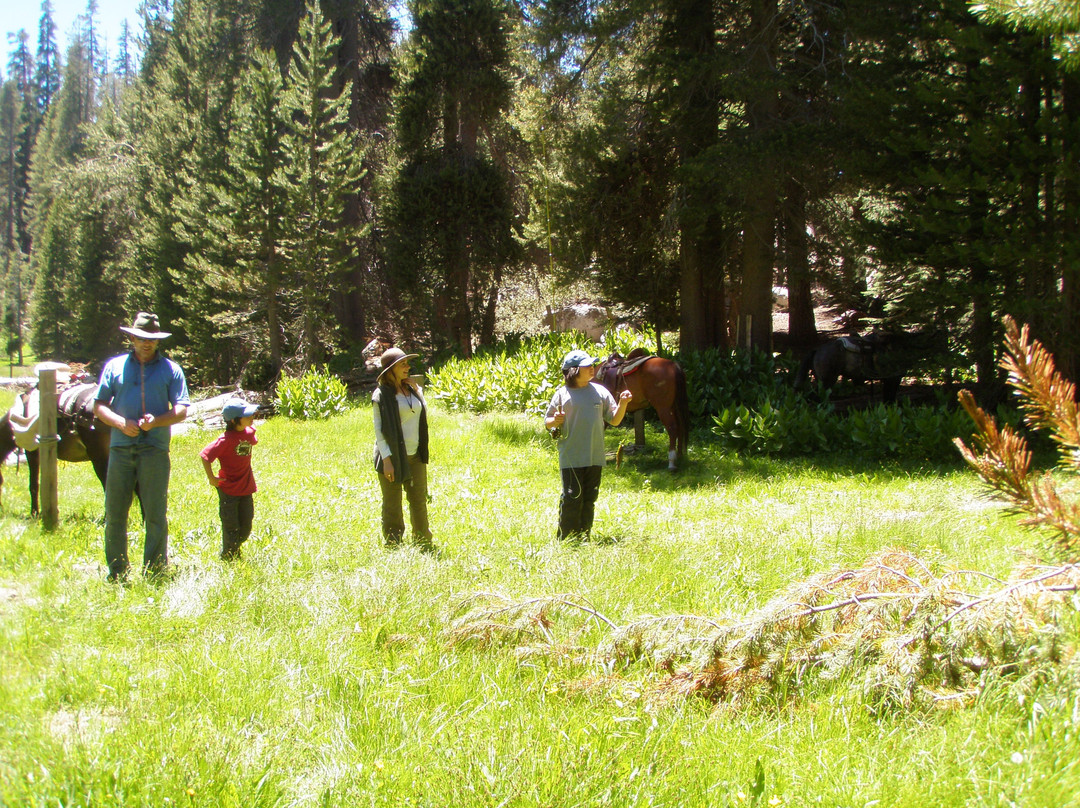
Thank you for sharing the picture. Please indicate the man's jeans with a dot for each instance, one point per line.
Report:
(148, 466)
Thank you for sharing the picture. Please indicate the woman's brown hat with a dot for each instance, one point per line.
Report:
(390, 357)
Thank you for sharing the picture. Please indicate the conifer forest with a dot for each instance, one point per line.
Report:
(281, 181)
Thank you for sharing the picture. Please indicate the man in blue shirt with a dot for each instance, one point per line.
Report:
(141, 395)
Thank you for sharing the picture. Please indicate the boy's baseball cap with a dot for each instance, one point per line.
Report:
(578, 359)
(238, 408)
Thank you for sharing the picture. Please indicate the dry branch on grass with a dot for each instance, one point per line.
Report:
(906, 634)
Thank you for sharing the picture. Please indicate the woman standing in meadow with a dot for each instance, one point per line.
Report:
(401, 450)
(576, 417)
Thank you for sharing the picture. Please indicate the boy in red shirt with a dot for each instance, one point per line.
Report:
(235, 483)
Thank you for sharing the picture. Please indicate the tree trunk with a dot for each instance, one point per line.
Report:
(802, 325)
(701, 276)
(273, 314)
(759, 220)
(1068, 352)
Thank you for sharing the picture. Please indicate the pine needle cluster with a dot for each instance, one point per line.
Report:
(1001, 456)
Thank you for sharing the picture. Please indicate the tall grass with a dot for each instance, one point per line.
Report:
(318, 671)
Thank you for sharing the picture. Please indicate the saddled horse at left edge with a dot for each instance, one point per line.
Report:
(82, 436)
(654, 382)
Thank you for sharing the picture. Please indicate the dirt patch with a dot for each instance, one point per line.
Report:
(13, 596)
(69, 726)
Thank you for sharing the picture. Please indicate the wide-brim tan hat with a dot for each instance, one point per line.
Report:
(145, 326)
(390, 357)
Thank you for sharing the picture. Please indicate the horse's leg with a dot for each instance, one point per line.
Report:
(101, 469)
(681, 408)
(638, 402)
(33, 465)
(826, 373)
(890, 389)
(671, 424)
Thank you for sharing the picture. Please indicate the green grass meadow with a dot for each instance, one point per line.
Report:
(319, 671)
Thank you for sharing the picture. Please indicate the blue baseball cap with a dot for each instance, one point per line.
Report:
(238, 408)
(578, 359)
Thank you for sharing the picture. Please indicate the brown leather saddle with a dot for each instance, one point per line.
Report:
(615, 369)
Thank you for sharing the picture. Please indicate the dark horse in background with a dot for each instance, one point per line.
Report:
(82, 436)
(887, 356)
(654, 382)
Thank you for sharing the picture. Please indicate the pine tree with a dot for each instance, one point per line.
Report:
(47, 77)
(12, 191)
(59, 146)
(962, 125)
(82, 189)
(181, 110)
(21, 72)
(242, 264)
(322, 170)
(451, 223)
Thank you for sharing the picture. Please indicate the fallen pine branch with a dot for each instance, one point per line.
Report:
(837, 624)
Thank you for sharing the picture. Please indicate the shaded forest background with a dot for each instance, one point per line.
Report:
(280, 182)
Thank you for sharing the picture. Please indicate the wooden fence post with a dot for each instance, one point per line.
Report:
(47, 443)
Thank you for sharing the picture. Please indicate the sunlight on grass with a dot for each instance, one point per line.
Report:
(317, 670)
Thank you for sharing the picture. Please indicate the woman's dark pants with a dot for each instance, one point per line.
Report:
(580, 488)
(416, 492)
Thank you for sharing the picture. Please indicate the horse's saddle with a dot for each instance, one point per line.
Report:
(856, 344)
(77, 401)
(74, 405)
(614, 370)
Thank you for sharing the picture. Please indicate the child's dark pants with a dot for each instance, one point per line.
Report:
(580, 488)
(236, 514)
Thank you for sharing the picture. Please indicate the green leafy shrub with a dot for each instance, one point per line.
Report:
(787, 425)
(519, 377)
(793, 426)
(316, 394)
(624, 340)
(521, 374)
(717, 379)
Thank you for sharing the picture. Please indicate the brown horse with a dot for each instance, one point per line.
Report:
(82, 437)
(654, 382)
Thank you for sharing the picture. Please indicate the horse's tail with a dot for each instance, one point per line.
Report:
(7, 438)
(7, 446)
(802, 376)
(682, 410)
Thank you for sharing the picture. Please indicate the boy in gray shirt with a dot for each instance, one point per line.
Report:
(576, 416)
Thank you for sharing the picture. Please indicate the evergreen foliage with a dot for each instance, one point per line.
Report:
(1001, 457)
(322, 170)
(679, 157)
(56, 215)
(48, 68)
(240, 270)
(959, 221)
(451, 217)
